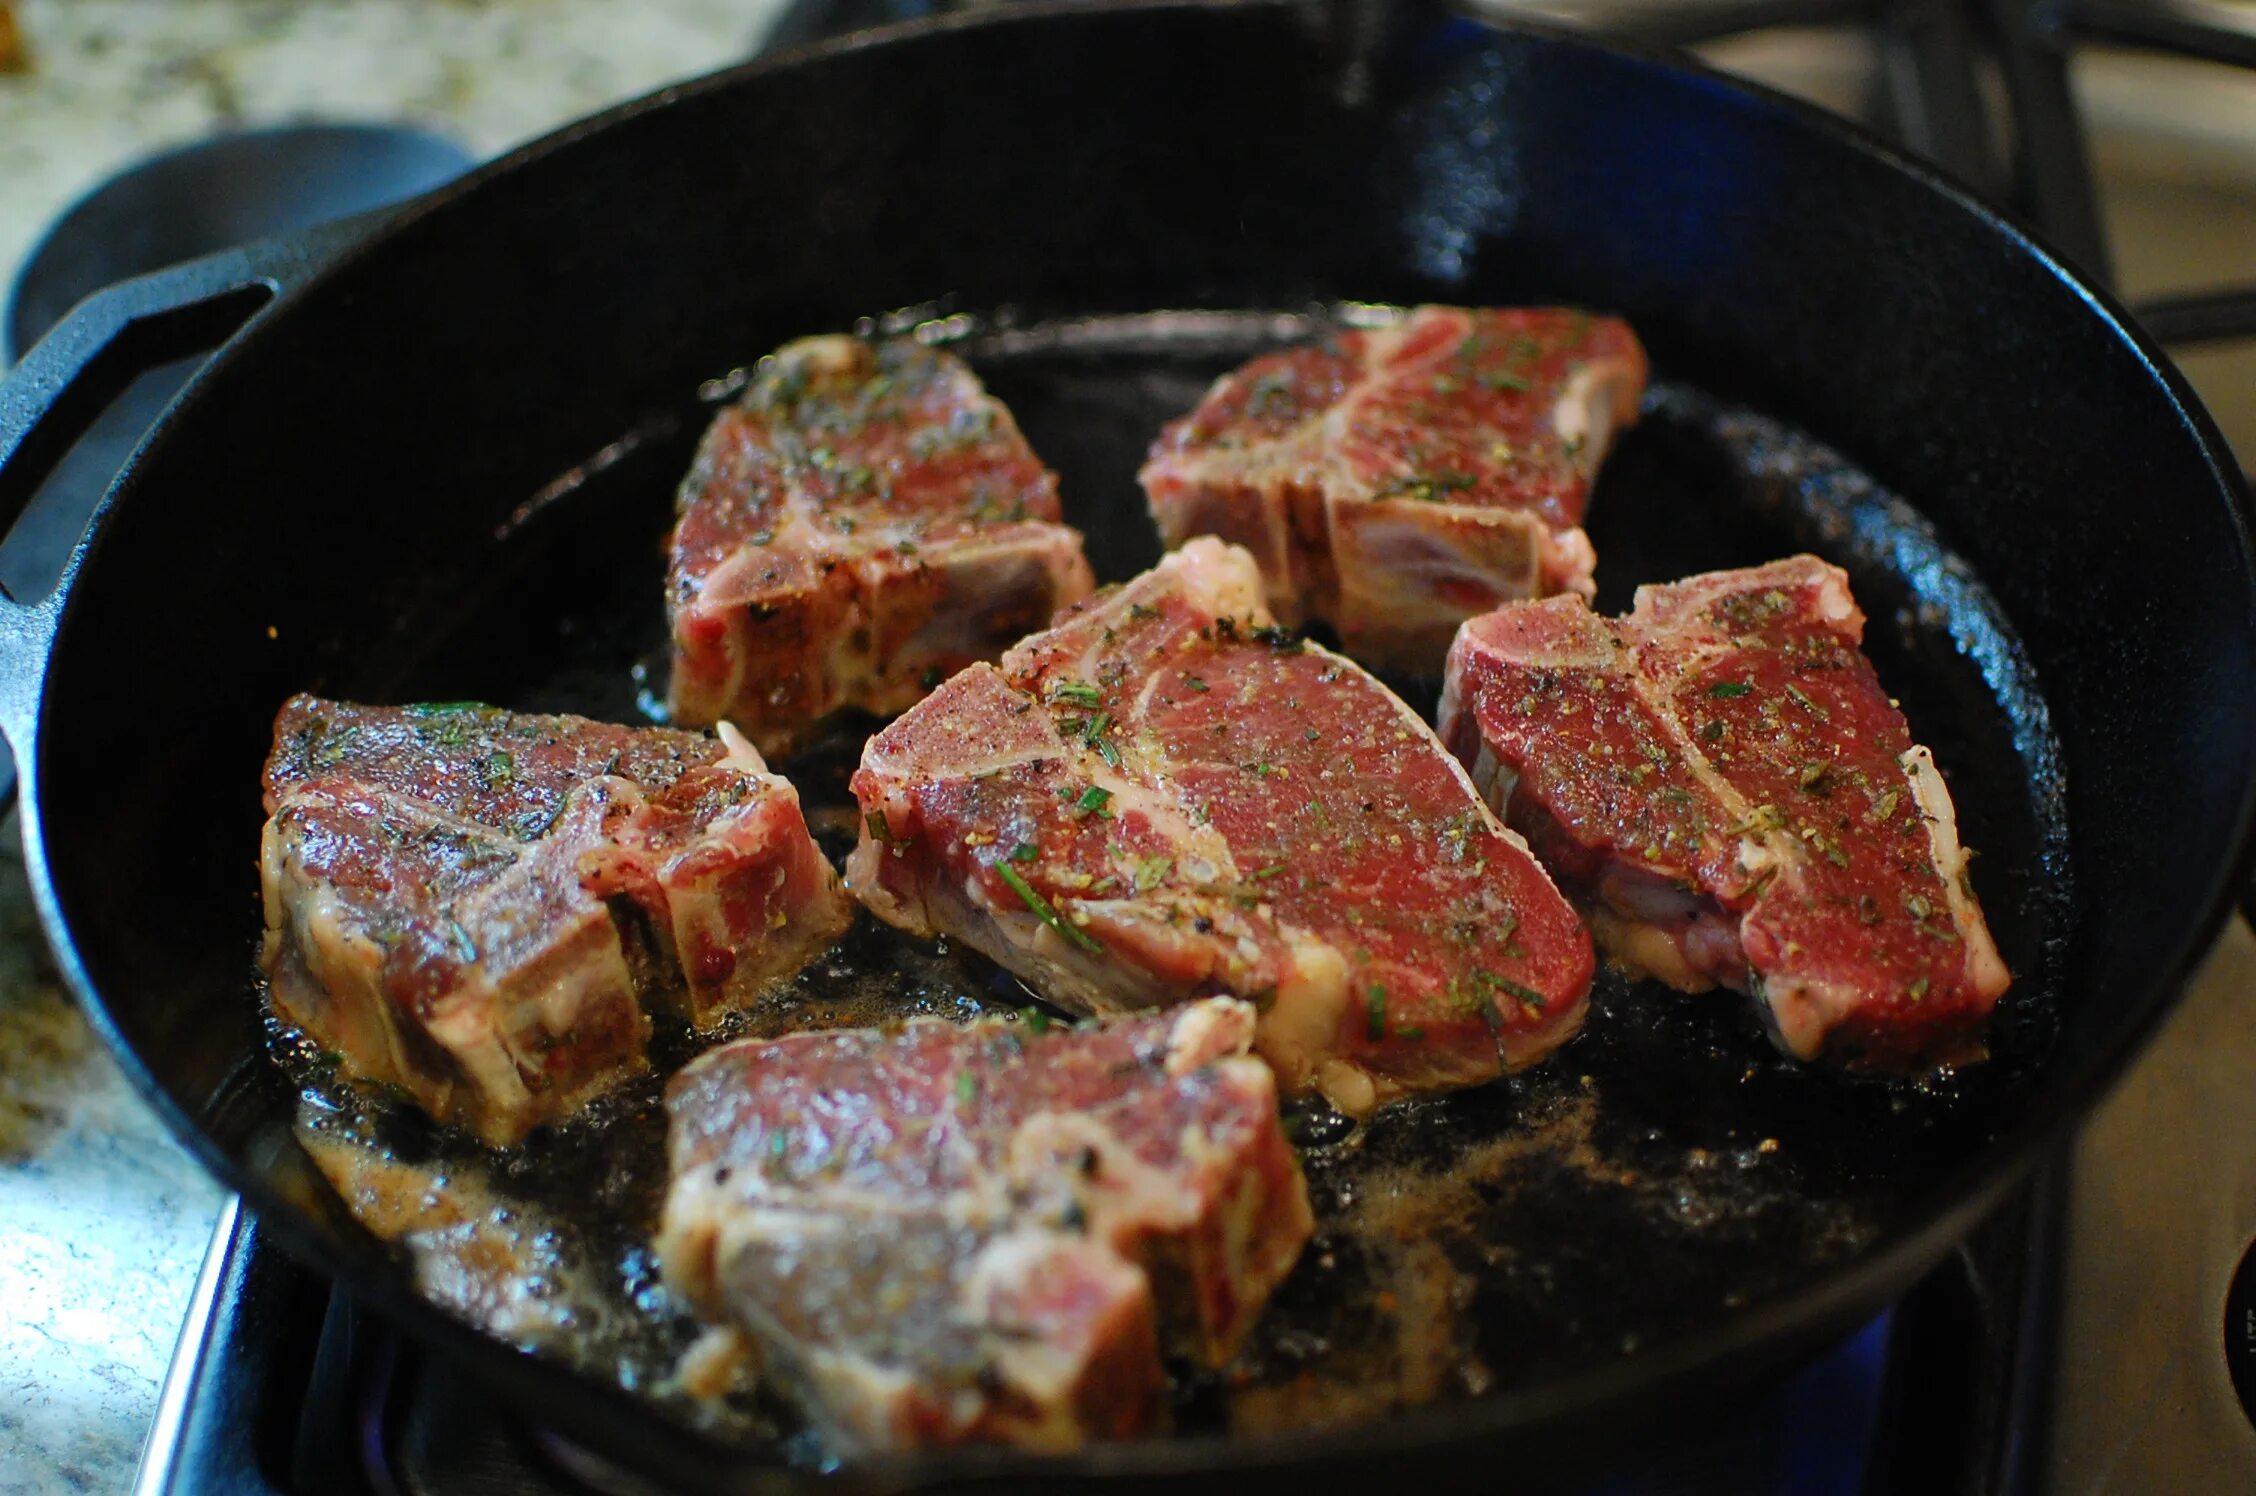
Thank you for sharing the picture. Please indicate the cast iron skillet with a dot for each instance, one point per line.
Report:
(344, 502)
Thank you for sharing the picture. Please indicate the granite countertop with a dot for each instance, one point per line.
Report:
(103, 1219)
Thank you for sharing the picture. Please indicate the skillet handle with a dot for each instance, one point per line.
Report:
(77, 371)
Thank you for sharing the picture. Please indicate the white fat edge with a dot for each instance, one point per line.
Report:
(1588, 409)
(1209, 1030)
(465, 1029)
(1410, 583)
(1569, 553)
(1301, 1027)
(1800, 1012)
(345, 963)
(722, 1360)
(483, 1009)
(1984, 969)
(1123, 1193)
(1650, 949)
(1214, 576)
(1022, 942)
(827, 353)
(1042, 1371)
(739, 754)
(1347, 1086)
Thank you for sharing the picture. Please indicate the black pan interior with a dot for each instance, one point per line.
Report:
(343, 504)
(1665, 1167)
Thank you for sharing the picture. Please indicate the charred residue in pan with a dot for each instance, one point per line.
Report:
(1665, 1168)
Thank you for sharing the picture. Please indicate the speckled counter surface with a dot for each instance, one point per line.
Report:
(102, 1222)
(103, 1219)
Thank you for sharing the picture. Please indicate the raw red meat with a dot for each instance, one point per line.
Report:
(477, 906)
(1723, 782)
(862, 523)
(1166, 795)
(1395, 482)
(946, 1234)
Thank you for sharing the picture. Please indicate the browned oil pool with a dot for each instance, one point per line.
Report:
(1665, 1169)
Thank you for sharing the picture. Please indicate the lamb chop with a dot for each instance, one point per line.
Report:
(479, 906)
(861, 524)
(943, 1234)
(1723, 783)
(1167, 795)
(1395, 482)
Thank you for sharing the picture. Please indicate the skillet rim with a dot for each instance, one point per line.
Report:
(1819, 1304)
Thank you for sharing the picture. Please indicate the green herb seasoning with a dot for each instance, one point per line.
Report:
(1193, 683)
(1079, 693)
(1093, 800)
(1043, 911)
(1729, 689)
(1023, 852)
(1093, 736)
(1151, 872)
(1527, 995)
(1375, 1013)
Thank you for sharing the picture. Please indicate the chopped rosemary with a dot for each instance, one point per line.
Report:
(1264, 874)
(967, 1087)
(1151, 872)
(1374, 1013)
(1044, 912)
(1729, 688)
(1497, 379)
(1526, 993)
(1023, 852)
(1037, 1021)
(880, 829)
(1192, 682)
(1093, 736)
(1079, 692)
(1093, 801)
